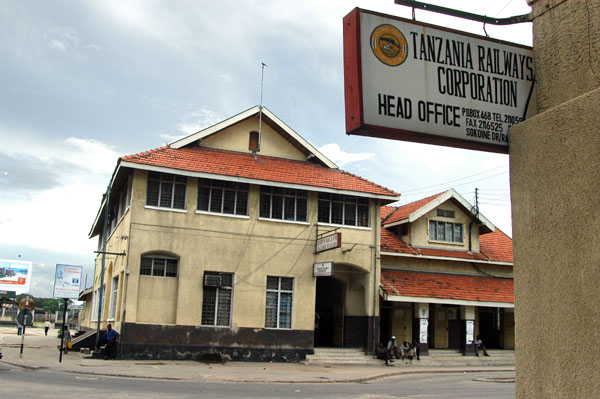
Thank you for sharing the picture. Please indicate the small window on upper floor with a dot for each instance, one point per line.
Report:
(445, 213)
(283, 204)
(445, 231)
(343, 210)
(223, 197)
(253, 142)
(166, 190)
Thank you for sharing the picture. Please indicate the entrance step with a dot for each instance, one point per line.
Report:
(436, 358)
(340, 356)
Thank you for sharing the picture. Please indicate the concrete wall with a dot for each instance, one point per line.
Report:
(554, 160)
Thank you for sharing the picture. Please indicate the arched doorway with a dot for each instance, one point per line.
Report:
(329, 311)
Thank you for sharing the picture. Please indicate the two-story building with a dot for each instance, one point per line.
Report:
(210, 245)
(446, 276)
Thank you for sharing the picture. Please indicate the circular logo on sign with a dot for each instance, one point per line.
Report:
(389, 45)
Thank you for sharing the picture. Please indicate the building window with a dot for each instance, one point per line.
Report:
(280, 293)
(222, 197)
(216, 301)
(253, 141)
(344, 210)
(445, 213)
(283, 204)
(445, 231)
(158, 266)
(166, 190)
(94, 315)
(113, 298)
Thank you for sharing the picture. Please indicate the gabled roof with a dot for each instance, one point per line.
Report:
(250, 168)
(415, 286)
(410, 212)
(267, 117)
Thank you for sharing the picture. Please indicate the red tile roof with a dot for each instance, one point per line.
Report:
(246, 165)
(404, 211)
(497, 246)
(447, 286)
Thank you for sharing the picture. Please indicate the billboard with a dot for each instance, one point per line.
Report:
(411, 81)
(67, 281)
(15, 275)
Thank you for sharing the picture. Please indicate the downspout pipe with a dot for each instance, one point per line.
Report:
(104, 239)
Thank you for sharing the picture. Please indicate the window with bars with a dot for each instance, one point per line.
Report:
(158, 266)
(343, 209)
(216, 300)
(166, 190)
(283, 204)
(445, 231)
(278, 312)
(222, 197)
(445, 213)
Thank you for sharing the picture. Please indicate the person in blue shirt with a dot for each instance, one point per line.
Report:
(109, 339)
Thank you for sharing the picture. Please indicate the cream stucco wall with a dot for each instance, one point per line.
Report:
(554, 162)
(249, 247)
(236, 138)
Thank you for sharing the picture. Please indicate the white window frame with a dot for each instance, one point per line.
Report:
(445, 241)
(112, 310)
(166, 178)
(287, 195)
(94, 315)
(345, 199)
(280, 291)
(238, 188)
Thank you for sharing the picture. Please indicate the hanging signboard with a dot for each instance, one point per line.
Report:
(67, 281)
(15, 275)
(328, 242)
(470, 329)
(411, 81)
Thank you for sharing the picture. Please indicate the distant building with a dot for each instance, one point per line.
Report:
(446, 275)
(219, 234)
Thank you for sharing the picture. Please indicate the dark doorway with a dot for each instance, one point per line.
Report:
(454, 329)
(385, 322)
(330, 311)
(490, 327)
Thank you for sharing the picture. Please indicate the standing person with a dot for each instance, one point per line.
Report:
(109, 339)
(19, 328)
(479, 345)
(391, 351)
(416, 349)
(46, 327)
(66, 339)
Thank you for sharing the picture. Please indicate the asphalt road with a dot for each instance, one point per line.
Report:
(46, 384)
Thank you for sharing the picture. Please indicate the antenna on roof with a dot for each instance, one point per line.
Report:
(260, 107)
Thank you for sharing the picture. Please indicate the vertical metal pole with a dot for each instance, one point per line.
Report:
(62, 336)
(104, 237)
(260, 107)
(24, 324)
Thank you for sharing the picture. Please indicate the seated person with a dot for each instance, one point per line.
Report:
(109, 339)
(479, 345)
(405, 351)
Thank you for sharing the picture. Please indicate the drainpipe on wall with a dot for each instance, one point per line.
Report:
(104, 239)
(375, 290)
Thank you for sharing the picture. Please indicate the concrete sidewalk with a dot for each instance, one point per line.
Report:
(40, 352)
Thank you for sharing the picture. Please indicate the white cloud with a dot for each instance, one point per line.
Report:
(57, 218)
(340, 157)
(198, 120)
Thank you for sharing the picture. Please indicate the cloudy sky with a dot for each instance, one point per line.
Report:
(84, 83)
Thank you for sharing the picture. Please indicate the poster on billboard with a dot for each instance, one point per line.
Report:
(67, 281)
(15, 275)
(411, 81)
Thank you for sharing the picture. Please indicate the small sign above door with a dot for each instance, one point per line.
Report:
(322, 269)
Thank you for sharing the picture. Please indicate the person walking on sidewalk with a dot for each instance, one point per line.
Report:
(46, 327)
(66, 339)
